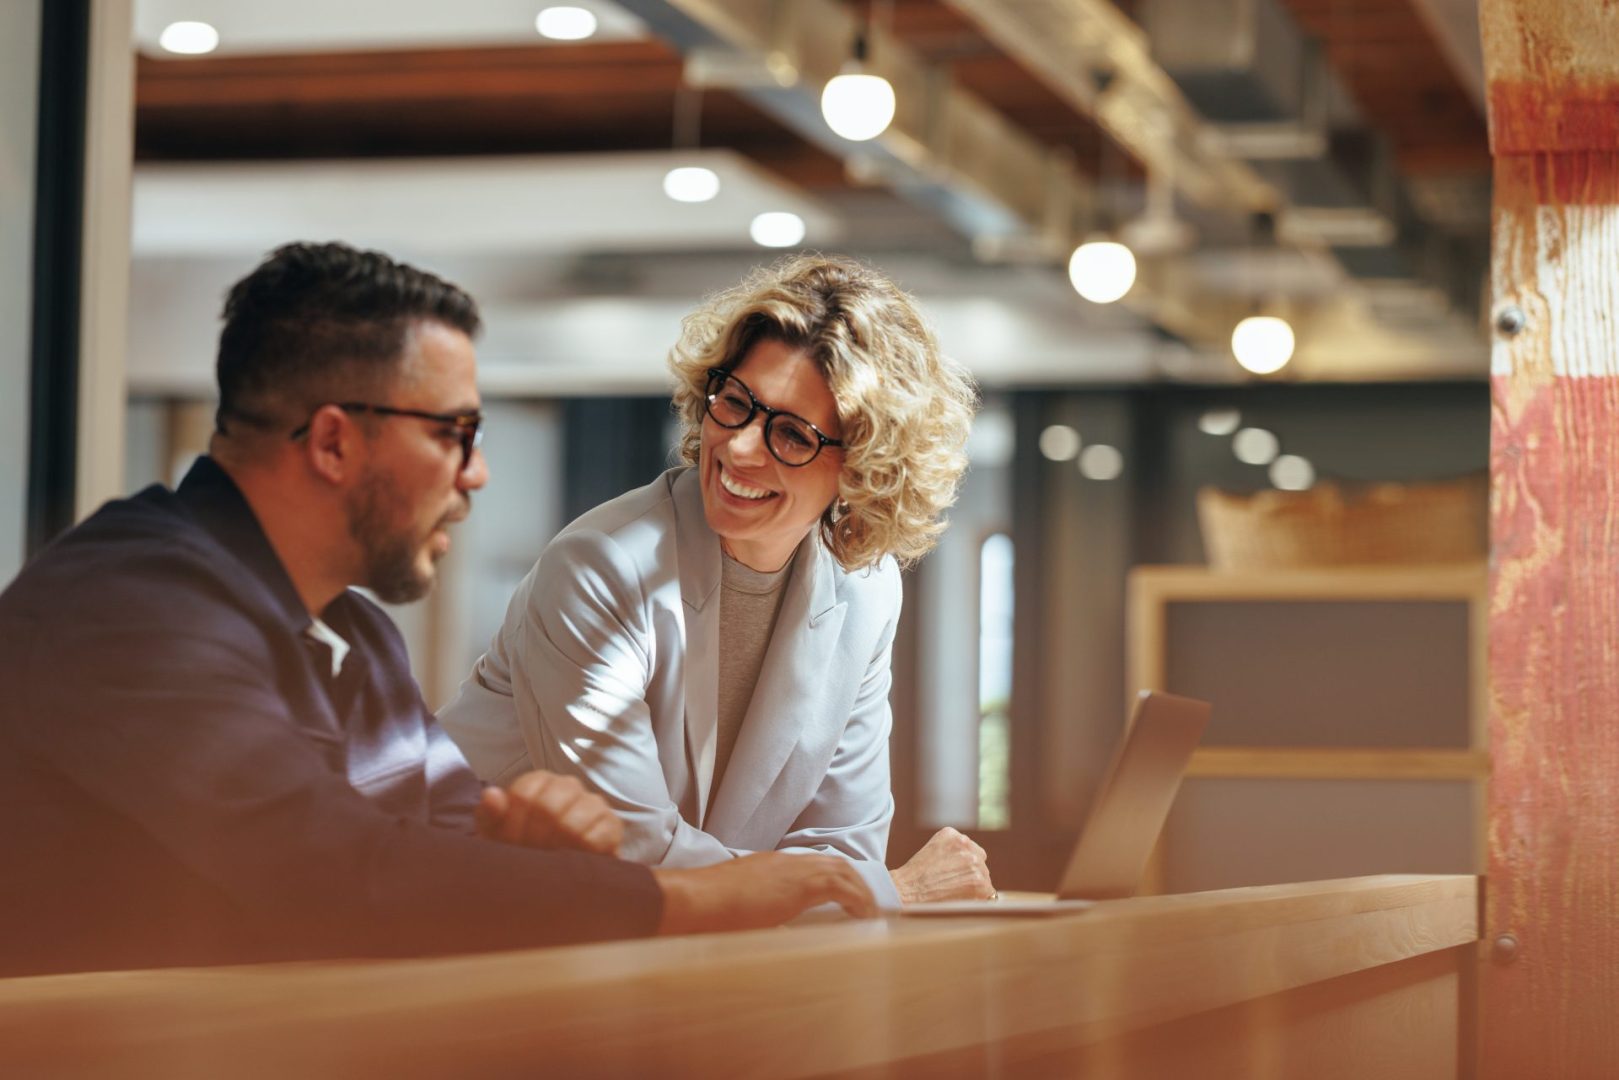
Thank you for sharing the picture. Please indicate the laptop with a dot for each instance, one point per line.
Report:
(1125, 818)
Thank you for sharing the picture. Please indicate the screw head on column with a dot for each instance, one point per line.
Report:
(1510, 320)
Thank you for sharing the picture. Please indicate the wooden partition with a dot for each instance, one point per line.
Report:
(1551, 980)
(1356, 978)
(1349, 732)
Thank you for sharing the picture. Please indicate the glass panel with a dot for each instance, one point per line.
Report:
(963, 643)
(994, 681)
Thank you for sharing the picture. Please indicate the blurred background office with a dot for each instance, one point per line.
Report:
(1218, 266)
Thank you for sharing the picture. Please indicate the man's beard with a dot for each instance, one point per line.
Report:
(388, 550)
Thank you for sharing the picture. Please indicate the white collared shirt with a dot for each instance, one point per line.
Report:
(319, 631)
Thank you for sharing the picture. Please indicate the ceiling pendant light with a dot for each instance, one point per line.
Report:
(856, 104)
(1102, 271)
(1262, 344)
(689, 183)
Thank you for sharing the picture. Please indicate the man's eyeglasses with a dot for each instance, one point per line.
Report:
(792, 439)
(468, 425)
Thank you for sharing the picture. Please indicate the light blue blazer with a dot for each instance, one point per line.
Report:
(607, 668)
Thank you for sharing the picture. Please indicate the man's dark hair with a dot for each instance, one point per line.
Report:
(319, 323)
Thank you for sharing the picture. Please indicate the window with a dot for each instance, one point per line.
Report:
(994, 681)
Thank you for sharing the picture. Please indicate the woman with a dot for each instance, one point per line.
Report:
(711, 652)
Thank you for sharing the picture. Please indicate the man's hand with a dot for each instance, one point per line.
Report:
(544, 810)
(949, 867)
(756, 891)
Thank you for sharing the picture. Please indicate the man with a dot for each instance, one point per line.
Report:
(211, 750)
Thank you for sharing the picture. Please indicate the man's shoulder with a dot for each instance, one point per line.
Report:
(145, 552)
(123, 534)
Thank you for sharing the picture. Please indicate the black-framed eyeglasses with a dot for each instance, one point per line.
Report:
(468, 425)
(792, 439)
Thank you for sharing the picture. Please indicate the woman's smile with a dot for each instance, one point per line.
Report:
(741, 490)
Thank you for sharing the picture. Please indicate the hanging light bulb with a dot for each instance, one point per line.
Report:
(689, 183)
(1102, 271)
(1263, 344)
(857, 104)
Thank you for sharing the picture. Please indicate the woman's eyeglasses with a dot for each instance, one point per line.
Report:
(792, 439)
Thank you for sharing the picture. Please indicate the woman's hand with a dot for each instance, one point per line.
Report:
(949, 867)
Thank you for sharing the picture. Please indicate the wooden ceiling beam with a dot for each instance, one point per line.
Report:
(528, 99)
(437, 74)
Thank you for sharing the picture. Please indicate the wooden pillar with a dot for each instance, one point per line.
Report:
(1550, 982)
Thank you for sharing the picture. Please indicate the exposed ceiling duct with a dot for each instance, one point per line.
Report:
(1100, 63)
(1249, 118)
(1247, 68)
(946, 149)
(1225, 100)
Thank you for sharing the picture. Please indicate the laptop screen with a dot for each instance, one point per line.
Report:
(1134, 798)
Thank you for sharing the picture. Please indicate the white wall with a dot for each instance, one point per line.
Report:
(19, 86)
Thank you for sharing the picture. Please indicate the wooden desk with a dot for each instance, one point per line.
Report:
(1360, 977)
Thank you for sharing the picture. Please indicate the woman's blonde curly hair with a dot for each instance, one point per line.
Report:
(904, 408)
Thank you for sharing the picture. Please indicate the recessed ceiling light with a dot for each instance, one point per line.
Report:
(565, 23)
(189, 38)
(1292, 473)
(777, 228)
(1059, 442)
(1255, 446)
(691, 183)
(1100, 461)
(1219, 421)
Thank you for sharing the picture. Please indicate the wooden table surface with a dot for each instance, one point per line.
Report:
(796, 1001)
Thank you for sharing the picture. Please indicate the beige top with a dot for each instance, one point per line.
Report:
(749, 603)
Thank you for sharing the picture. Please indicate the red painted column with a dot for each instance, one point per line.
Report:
(1549, 989)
